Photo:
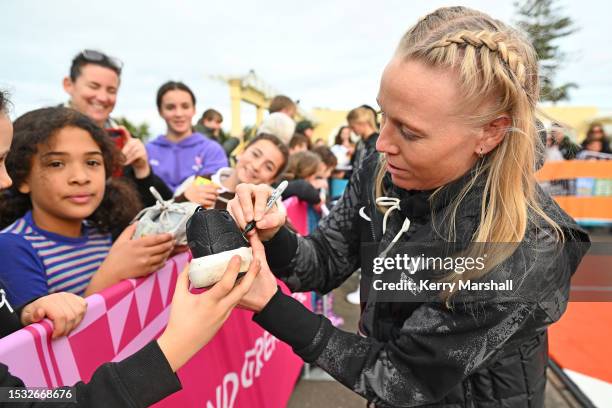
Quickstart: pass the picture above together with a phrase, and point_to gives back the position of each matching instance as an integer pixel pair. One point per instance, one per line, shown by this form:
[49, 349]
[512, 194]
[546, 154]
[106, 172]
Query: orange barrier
[590, 202]
[572, 169]
[586, 207]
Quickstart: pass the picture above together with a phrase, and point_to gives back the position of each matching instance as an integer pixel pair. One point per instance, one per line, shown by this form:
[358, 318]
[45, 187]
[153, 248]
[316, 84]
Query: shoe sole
[208, 270]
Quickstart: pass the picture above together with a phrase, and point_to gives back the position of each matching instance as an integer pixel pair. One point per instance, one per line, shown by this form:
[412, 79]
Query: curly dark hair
[4, 102]
[38, 127]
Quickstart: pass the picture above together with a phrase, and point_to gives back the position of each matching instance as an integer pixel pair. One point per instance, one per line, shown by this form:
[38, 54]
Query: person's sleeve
[303, 190]
[434, 351]
[142, 186]
[324, 259]
[138, 381]
[214, 158]
[21, 270]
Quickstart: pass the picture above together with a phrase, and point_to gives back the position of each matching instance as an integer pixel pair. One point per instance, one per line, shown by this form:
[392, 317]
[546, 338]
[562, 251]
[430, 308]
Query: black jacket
[481, 353]
[138, 381]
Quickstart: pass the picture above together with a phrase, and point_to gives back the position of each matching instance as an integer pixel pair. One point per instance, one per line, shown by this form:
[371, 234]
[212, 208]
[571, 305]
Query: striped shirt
[34, 262]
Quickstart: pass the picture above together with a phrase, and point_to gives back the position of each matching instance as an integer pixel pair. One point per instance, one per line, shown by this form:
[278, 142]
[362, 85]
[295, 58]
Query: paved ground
[321, 391]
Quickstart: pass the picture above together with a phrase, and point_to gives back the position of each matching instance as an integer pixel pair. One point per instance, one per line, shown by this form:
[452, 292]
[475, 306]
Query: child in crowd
[181, 152]
[343, 146]
[263, 159]
[60, 209]
[306, 175]
[298, 143]
[329, 159]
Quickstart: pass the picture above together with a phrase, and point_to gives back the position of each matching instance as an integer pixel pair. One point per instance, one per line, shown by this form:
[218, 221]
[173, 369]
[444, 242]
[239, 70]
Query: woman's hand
[249, 204]
[265, 285]
[65, 310]
[195, 319]
[135, 155]
[131, 258]
[205, 195]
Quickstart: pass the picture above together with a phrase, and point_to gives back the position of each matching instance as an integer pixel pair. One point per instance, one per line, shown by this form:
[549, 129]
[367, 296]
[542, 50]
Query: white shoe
[165, 216]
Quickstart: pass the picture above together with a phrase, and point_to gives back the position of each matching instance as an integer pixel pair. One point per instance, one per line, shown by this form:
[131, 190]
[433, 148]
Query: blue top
[195, 155]
[34, 262]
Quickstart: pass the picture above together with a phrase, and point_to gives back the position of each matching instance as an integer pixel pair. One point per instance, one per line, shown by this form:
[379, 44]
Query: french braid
[487, 41]
[497, 75]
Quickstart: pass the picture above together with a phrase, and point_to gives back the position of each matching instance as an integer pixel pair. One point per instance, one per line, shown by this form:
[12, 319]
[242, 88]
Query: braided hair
[497, 75]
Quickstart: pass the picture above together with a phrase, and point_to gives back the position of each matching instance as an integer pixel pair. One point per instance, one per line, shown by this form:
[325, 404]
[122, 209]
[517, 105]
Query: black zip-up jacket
[482, 352]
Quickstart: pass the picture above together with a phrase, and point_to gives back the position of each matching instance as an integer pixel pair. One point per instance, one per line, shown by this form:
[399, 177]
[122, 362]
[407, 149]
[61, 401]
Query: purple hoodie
[174, 162]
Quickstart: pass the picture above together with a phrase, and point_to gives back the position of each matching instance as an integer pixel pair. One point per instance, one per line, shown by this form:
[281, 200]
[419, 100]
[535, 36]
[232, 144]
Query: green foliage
[543, 23]
[140, 131]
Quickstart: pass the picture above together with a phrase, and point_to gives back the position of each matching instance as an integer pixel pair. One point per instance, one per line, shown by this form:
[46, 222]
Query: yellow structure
[249, 89]
[577, 118]
[327, 122]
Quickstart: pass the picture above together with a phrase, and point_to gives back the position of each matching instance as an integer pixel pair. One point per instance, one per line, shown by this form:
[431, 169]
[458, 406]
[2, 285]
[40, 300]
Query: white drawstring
[394, 204]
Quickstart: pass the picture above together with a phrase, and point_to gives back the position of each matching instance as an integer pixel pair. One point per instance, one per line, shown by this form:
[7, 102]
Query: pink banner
[242, 366]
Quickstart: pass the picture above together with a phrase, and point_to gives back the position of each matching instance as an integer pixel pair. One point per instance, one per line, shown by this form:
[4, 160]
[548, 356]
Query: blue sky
[327, 54]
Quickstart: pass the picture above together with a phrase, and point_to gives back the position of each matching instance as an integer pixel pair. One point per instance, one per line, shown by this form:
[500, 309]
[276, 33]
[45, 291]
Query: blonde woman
[362, 121]
[458, 150]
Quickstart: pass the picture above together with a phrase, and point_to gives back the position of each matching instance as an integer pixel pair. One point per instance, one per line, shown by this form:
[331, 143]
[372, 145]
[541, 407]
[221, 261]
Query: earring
[480, 154]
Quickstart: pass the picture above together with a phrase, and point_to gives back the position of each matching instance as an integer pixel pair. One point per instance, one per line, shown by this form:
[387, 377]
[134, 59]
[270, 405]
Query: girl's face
[6, 137]
[319, 179]
[177, 110]
[259, 163]
[346, 135]
[597, 133]
[425, 141]
[67, 178]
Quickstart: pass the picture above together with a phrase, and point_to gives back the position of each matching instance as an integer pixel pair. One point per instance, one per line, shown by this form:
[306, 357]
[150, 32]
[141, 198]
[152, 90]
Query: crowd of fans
[69, 231]
[560, 146]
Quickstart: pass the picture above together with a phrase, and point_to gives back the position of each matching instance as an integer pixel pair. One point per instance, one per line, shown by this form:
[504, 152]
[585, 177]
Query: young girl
[263, 159]
[60, 209]
[181, 152]
[306, 173]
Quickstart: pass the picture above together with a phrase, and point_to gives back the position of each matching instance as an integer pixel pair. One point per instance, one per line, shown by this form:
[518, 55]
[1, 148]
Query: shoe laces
[165, 207]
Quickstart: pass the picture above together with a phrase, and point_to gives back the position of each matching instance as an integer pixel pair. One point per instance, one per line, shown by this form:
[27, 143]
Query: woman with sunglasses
[93, 85]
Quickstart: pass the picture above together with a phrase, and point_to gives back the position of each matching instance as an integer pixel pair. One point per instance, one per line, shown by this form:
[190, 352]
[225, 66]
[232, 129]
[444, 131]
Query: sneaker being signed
[165, 216]
[214, 238]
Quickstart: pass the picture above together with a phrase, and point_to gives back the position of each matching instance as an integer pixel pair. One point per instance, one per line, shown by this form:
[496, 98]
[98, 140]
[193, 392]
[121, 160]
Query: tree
[139, 131]
[544, 24]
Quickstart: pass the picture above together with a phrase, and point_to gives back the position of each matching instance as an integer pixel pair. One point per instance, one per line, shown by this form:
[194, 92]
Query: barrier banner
[242, 366]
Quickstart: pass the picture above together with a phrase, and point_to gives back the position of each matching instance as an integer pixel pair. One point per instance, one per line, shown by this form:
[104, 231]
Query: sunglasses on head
[97, 56]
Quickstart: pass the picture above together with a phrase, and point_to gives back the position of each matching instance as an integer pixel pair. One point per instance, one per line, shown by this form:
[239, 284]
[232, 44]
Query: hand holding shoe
[195, 319]
[205, 195]
[131, 258]
[264, 286]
